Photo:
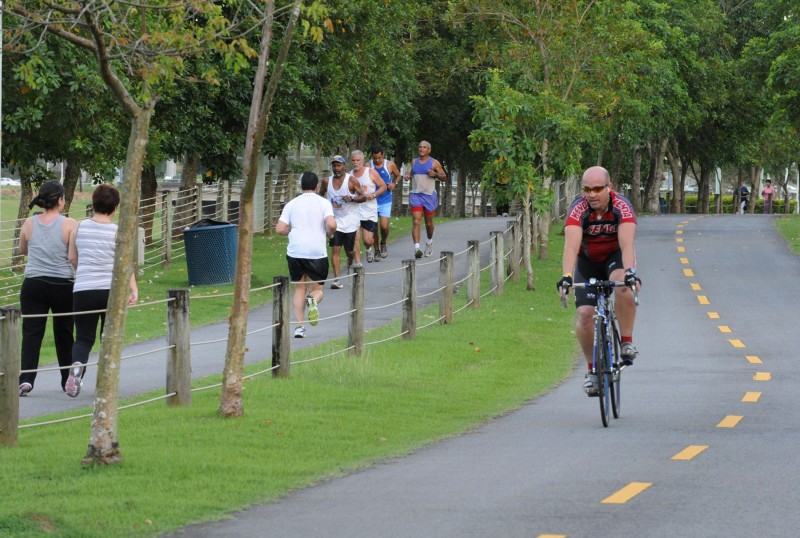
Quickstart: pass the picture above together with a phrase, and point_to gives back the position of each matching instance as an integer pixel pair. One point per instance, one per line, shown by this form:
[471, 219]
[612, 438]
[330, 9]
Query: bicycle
[606, 362]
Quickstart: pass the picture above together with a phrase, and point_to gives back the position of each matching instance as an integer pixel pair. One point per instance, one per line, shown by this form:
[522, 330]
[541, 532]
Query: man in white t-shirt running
[307, 220]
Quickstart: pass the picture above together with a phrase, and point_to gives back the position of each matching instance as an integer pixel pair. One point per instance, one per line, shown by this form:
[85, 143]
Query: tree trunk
[755, 187]
[25, 197]
[653, 186]
[461, 191]
[185, 214]
[616, 163]
[636, 179]
[149, 193]
[676, 204]
[103, 443]
[71, 176]
[546, 217]
[231, 404]
[526, 238]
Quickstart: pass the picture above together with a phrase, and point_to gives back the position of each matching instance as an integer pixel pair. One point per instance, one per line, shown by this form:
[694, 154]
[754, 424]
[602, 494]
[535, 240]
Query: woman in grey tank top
[47, 287]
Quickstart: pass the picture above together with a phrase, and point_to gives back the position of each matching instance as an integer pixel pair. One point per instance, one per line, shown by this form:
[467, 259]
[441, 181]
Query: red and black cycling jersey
[600, 231]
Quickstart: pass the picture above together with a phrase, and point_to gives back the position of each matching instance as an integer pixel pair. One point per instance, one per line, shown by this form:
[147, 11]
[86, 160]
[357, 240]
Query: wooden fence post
[355, 327]
[179, 355]
[281, 318]
[166, 230]
[497, 269]
[474, 280]
[409, 324]
[446, 283]
[9, 378]
[514, 248]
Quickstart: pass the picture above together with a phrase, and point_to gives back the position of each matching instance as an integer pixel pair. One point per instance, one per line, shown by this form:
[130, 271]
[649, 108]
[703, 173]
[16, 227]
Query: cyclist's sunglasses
[596, 190]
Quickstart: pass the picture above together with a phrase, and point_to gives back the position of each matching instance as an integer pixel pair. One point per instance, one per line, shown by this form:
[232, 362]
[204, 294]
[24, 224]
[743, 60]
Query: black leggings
[40, 295]
[86, 324]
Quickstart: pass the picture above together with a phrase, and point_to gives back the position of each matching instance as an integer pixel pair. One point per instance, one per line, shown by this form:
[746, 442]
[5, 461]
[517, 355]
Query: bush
[727, 204]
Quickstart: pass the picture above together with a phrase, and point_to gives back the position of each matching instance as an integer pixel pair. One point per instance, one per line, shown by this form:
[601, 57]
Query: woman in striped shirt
[92, 253]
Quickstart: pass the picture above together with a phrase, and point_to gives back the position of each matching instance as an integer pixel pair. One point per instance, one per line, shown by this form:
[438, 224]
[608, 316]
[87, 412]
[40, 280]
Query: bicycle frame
[606, 364]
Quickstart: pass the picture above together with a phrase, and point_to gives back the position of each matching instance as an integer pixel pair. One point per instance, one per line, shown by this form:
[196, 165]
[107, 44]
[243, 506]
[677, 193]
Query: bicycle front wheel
[616, 372]
[602, 370]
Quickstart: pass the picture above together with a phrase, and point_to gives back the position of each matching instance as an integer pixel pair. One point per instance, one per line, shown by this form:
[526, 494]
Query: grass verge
[328, 418]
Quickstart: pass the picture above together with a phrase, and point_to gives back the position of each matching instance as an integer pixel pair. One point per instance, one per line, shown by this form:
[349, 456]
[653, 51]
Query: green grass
[789, 226]
[329, 417]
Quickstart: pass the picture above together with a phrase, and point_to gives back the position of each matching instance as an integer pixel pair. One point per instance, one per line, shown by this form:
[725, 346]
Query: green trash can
[210, 252]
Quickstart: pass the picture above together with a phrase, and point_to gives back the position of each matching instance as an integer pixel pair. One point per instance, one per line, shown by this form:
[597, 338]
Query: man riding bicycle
[599, 232]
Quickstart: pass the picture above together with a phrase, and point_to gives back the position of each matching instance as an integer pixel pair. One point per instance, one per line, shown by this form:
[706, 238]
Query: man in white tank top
[373, 186]
[344, 193]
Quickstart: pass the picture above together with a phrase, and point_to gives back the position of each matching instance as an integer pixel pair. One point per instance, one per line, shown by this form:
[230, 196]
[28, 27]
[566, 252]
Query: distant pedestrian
[307, 220]
[742, 193]
[423, 199]
[45, 239]
[92, 251]
[768, 192]
[392, 177]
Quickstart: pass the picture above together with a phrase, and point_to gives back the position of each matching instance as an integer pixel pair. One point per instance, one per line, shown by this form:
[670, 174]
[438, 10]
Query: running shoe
[336, 285]
[300, 332]
[418, 254]
[24, 389]
[384, 250]
[628, 353]
[428, 249]
[313, 311]
[370, 254]
[74, 381]
[377, 257]
[591, 387]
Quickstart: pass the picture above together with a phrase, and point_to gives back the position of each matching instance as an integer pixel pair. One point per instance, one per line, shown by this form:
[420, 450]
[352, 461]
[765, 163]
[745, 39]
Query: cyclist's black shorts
[587, 269]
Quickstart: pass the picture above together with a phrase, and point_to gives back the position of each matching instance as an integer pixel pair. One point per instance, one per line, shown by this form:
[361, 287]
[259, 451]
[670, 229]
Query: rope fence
[178, 348]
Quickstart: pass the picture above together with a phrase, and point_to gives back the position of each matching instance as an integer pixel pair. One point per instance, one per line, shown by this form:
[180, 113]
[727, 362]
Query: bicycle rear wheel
[602, 370]
[616, 372]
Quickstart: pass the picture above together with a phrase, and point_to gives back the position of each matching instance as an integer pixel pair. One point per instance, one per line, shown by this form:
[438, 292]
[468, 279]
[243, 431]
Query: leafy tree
[139, 50]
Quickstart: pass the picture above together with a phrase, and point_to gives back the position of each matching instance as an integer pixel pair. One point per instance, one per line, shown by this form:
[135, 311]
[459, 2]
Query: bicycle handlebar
[599, 284]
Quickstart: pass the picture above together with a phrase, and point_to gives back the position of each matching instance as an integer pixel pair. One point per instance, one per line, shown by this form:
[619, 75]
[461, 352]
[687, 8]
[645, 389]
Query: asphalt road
[546, 469]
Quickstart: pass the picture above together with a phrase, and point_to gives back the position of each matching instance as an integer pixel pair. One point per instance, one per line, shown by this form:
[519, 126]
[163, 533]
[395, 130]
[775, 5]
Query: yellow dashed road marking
[689, 452]
[762, 376]
[751, 397]
[713, 315]
[752, 359]
[679, 232]
[679, 239]
[702, 299]
[695, 286]
[730, 421]
[627, 493]
[724, 329]
[681, 249]
[736, 342]
[552, 536]
[685, 261]
[688, 272]
[681, 225]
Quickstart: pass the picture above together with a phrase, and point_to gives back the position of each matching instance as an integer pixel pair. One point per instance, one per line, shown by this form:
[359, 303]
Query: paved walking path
[383, 286]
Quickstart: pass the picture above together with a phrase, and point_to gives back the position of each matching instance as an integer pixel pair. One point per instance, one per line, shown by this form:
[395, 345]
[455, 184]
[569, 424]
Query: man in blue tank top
[391, 176]
[424, 173]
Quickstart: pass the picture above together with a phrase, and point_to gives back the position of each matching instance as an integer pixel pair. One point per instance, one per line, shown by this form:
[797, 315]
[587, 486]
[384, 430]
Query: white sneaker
[300, 332]
[336, 285]
[74, 382]
[428, 249]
